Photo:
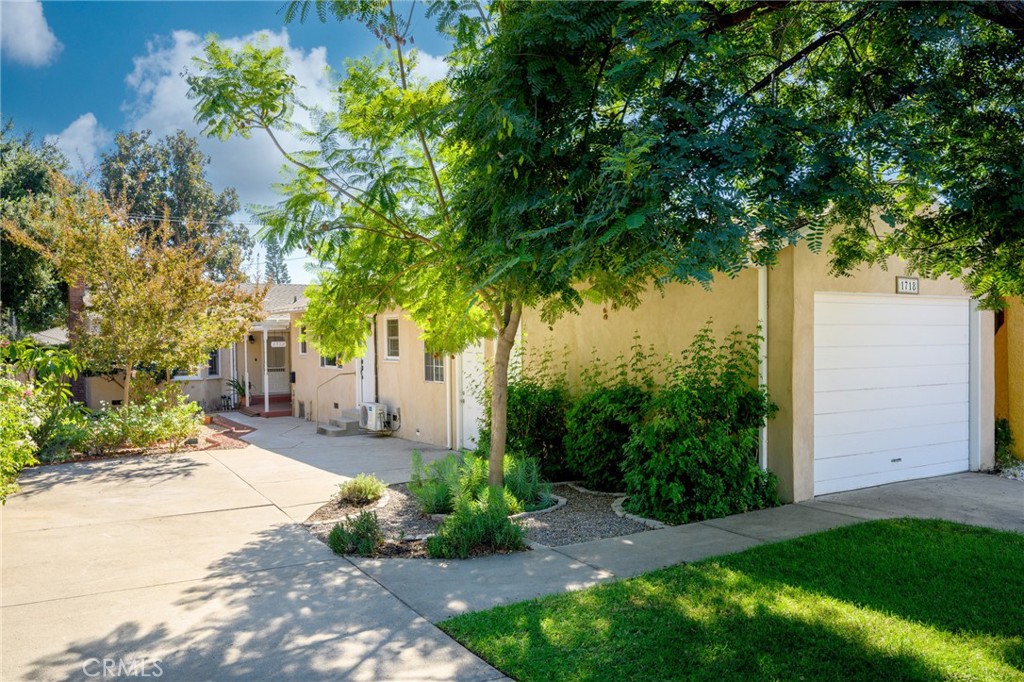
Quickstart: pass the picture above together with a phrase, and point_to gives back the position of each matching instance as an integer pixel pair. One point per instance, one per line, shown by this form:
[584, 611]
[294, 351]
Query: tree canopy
[150, 300]
[623, 142]
[32, 295]
[166, 179]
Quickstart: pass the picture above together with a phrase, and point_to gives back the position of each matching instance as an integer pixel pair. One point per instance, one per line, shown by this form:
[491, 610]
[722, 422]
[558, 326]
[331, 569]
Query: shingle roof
[283, 297]
[54, 336]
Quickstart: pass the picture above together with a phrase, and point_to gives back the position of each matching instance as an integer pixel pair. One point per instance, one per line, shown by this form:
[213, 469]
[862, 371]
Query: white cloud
[25, 37]
[430, 67]
[82, 141]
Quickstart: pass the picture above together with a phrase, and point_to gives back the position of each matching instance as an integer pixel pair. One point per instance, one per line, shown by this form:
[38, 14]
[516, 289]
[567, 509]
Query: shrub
[17, 449]
[1004, 445]
[598, 426]
[360, 534]
[477, 526]
[363, 489]
[536, 425]
[440, 485]
[167, 417]
[694, 456]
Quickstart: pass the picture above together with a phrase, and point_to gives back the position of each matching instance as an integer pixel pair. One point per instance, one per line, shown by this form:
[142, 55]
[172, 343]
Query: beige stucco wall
[401, 384]
[205, 390]
[665, 321]
[1009, 358]
[337, 390]
[791, 288]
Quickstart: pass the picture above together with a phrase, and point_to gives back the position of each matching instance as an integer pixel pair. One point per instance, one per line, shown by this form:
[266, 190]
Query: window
[185, 375]
[391, 334]
[213, 364]
[433, 367]
[303, 348]
[328, 362]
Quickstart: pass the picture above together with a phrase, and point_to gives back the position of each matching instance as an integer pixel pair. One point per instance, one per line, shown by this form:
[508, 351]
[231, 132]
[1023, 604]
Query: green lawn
[887, 600]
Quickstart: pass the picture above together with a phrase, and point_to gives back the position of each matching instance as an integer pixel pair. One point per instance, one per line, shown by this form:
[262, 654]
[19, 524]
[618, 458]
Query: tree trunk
[499, 394]
[127, 383]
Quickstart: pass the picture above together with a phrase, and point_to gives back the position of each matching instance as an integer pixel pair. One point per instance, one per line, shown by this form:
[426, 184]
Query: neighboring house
[1009, 364]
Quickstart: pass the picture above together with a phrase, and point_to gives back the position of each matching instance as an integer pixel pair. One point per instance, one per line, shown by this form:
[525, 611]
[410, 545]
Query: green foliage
[536, 424]
[169, 417]
[442, 484]
[169, 176]
[477, 526]
[32, 293]
[363, 489]
[360, 535]
[1004, 445]
[598, 426]
[579, 121]
[17, 449]
[694, 456]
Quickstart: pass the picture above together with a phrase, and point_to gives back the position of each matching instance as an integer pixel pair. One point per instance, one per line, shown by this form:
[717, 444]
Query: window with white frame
[213, 364]
[391, 348]
[328, 362]
[303, 347]
[433, 367]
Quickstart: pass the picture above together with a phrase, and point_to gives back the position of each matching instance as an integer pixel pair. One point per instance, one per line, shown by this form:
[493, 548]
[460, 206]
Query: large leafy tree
[32, 295]
[619, 142]
[150, 299]
[370, 196]
[164, 181]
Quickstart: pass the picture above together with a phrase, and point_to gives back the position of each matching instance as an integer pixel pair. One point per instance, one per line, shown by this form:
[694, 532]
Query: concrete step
[351, 414]
[337, 428]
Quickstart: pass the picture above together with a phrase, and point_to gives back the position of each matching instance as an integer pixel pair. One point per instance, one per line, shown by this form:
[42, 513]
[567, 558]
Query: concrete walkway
[196, 561]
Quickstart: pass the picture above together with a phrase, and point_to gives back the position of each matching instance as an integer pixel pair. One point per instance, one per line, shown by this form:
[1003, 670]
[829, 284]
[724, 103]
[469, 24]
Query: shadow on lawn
[280, 608]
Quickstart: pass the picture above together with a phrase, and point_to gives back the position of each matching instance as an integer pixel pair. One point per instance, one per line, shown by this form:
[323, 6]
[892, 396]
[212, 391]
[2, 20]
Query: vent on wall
[302, 410]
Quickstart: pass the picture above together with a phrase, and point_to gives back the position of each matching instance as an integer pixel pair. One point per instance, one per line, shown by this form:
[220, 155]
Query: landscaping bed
[585, 516]
[897, 599]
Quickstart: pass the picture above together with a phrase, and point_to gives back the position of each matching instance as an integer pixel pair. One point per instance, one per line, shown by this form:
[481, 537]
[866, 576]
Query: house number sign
[278, 344]
[906, 285]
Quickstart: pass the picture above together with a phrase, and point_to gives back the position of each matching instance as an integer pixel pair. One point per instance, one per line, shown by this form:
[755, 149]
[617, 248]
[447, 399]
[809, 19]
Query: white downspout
[458, 400]
[266, 375]
[448, 402]
[234, 371]
[762, 359]
[245, 356]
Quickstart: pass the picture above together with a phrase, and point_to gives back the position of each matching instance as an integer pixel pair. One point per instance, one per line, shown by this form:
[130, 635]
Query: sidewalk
[441, 589]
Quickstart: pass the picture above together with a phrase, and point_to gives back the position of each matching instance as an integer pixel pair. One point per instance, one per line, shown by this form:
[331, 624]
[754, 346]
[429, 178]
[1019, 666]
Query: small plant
[440, 485]
[477, 526]
[1004, 445]
[363, 489]
[360, 535]
[435, 485]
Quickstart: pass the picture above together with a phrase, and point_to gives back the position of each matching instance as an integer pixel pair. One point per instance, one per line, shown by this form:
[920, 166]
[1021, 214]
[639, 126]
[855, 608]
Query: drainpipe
[457, 399]
[762, 354]
[266, 375]
[245, 357]
[448, 402]
[234, 370]
[376, 364]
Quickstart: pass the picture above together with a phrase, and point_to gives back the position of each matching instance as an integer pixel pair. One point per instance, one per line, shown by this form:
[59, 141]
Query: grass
[887, 600]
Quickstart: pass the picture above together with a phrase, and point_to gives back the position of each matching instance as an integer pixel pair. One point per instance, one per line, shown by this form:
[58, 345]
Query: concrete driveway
[191, 566]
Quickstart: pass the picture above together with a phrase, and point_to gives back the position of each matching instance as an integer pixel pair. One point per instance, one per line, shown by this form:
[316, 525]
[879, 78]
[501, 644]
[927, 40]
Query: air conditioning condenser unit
[373, 416]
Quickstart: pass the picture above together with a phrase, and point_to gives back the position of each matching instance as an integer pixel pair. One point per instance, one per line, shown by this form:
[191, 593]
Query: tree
[30, 291]
[150, 300]
[371, 200]
[166, 180]
[646, 142]
[277, 271]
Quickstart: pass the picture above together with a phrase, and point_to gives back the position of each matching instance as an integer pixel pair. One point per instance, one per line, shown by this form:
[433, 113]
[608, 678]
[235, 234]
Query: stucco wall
[401, 384]
[337, 384]
[1009, 358]
[791, 286]
[665, 321]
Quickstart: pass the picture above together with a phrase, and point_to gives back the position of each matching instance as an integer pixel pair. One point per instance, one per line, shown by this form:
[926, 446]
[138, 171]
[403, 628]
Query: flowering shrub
[165, 417]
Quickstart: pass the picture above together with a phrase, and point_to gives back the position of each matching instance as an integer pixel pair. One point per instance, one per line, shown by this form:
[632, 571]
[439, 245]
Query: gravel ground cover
[585, 517]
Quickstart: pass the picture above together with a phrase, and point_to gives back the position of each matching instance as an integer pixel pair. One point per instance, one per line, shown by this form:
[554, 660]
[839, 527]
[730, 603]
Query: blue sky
[78, 72]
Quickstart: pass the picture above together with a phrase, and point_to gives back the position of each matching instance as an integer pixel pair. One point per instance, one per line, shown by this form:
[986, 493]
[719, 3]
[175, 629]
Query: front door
[277, 363]
[471, 395]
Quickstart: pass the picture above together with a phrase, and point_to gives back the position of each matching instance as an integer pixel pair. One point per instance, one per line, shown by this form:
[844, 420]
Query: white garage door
[891, 396]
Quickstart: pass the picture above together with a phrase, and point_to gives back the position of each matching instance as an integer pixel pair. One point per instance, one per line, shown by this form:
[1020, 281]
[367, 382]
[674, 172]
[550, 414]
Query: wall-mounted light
[252, 339]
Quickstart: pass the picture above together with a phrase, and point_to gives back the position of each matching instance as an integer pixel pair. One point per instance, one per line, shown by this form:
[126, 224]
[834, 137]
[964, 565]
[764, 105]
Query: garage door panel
[863, 421]
[828, 402]
[855, 335]
[844, 445]
[891, 377]
[845, 357]
[871, 312]
[891, 385]
[823, 487]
